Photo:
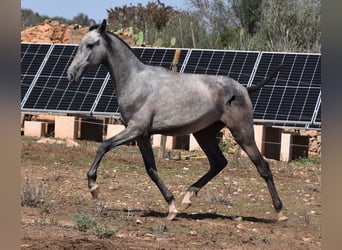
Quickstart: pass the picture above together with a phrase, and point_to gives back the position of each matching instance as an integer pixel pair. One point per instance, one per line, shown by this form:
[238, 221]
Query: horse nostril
[71, 78]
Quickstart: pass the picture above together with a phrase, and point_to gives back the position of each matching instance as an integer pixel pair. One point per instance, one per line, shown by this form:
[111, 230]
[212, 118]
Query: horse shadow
[195, 216]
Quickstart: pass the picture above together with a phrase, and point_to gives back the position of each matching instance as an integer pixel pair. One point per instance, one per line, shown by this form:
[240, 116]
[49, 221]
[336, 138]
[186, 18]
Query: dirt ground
[233, 211]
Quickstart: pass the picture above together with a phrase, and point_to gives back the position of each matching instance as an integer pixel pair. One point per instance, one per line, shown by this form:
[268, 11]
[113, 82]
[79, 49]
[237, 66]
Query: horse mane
[108, 40]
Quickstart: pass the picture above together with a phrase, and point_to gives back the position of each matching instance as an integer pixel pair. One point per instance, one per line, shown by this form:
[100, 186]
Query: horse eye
[90, 45]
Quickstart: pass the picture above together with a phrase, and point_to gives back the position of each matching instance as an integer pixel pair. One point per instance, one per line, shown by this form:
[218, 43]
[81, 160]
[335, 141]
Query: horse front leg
[150, 165]
[125, 136]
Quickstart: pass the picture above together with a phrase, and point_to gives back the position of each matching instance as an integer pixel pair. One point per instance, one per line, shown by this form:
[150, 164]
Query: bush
[33, 193]
[84, 221]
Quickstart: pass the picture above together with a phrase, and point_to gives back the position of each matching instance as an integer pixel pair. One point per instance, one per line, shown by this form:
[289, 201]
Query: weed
[33, 193]
[308, 160]
[84, 221]
[103, 232]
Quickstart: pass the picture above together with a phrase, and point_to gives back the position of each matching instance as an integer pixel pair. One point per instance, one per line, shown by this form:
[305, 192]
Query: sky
[95, 9]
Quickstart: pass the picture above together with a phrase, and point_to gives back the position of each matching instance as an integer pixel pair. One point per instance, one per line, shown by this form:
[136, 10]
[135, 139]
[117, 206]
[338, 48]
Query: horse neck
[122, 63]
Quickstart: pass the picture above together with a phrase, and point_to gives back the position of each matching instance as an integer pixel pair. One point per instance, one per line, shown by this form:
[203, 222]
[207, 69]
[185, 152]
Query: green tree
[292, 25]
[150, 19]
[275, 25]
[31, 18]
[81, 19]
[219, 20]
[189, 31]
[248, 13]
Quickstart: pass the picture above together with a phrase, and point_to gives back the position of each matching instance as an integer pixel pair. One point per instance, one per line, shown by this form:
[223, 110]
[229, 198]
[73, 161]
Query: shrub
[84, 221]
[33, 193]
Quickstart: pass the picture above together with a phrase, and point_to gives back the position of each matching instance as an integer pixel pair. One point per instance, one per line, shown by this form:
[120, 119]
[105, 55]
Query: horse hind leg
[207, 140]
[244, 135]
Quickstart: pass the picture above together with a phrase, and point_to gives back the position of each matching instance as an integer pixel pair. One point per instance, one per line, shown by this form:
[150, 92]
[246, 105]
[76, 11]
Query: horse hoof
[171, 216]
[95, 191]
[282, 217]
[185, 206]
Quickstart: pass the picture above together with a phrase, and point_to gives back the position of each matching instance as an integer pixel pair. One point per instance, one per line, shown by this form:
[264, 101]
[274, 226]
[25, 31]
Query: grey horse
[154, 100]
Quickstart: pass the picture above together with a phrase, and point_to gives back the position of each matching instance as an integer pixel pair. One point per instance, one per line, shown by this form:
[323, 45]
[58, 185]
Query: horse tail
[266, 80]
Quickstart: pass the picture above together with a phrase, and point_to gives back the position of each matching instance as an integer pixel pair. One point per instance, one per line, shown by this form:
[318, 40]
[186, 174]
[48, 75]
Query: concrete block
[286, 147]
[34, 128]
[259, 136]
[193, 145]
[113, 129]
[66, 127]
[157, 139]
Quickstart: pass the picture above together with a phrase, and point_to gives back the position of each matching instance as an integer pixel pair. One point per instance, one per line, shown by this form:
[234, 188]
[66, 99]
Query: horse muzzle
[73, 75]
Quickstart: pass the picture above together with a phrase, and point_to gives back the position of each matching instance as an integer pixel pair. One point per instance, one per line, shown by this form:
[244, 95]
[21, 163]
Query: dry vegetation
[232, 212]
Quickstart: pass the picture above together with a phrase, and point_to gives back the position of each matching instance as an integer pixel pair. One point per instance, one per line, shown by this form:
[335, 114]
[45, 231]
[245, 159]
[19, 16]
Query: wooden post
[161, 152]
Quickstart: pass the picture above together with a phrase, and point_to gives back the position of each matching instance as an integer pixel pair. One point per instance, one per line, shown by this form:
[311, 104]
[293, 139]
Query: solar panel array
[291, 99]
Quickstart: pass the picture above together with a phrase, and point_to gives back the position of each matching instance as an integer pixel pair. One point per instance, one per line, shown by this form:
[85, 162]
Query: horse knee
[264, 170]
[220, 164]
[103, 148]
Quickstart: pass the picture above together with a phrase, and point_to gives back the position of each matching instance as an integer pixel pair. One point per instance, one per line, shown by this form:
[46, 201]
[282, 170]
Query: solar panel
[235, 64]
[52, 91]
[160, 56]
[291, 97]
[108, 102]
[32, 57]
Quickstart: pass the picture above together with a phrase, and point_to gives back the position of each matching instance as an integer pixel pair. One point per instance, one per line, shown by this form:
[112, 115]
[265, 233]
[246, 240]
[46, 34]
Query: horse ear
[92, 22]
[103, 26]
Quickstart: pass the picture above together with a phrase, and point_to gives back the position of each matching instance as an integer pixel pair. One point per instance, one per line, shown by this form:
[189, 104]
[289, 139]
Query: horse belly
[183, 123]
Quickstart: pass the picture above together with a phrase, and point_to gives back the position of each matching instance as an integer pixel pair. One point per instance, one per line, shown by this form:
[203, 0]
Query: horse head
[91, 52]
